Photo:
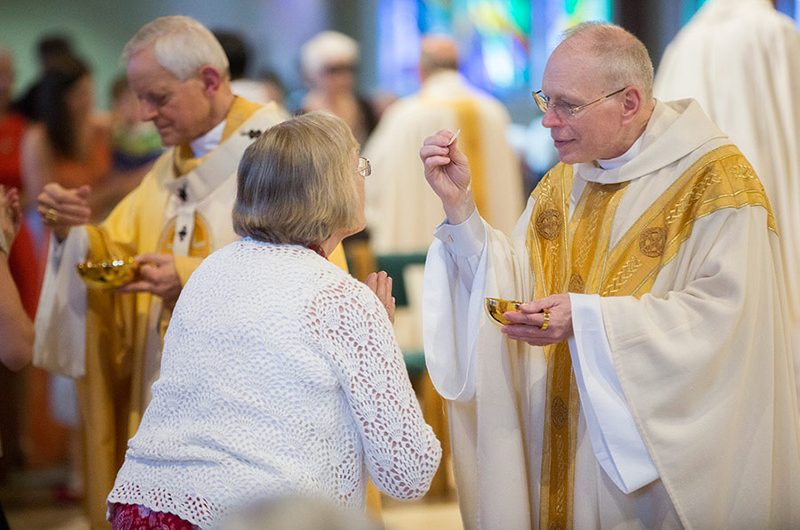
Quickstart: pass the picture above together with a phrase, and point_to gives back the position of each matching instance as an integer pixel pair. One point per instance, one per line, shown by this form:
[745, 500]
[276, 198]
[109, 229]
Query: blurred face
[594, 133]
[180, 110]
[336, 78]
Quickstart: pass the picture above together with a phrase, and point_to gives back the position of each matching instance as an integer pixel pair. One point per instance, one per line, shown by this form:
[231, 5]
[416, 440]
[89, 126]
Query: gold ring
[51, 215]
[546, 321]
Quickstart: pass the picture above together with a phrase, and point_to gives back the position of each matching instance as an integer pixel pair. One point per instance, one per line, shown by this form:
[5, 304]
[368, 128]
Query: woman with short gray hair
[280, 374]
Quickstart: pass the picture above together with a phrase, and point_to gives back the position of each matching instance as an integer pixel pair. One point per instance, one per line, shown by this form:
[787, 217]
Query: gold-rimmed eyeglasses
[567, 110]
[364, 167]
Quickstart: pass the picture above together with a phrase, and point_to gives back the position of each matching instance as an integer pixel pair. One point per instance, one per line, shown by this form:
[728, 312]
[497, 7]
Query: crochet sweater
[280, 375]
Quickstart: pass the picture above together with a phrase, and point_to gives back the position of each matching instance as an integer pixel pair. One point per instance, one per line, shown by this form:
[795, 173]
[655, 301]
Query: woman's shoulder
[334, 286]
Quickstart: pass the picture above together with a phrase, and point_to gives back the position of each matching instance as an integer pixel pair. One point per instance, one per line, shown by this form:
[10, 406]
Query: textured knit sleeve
[351, 327]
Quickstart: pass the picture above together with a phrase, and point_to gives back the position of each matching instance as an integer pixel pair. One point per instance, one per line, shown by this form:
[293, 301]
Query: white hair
[182, 45]
[328, 47]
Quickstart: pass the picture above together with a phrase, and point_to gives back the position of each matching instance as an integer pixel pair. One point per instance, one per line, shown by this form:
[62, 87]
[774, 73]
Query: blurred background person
[255, 403]
[274, 86]
[71, 145]
[21, 260]
[740, 59]
[51, 50]
[16, 328]
[238, 53]
[135, 145]
[401, 207]
[329, 62]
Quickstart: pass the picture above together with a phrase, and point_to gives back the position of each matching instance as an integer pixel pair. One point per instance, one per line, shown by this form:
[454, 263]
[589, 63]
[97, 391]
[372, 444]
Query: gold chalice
[108, 274]
[497, 306]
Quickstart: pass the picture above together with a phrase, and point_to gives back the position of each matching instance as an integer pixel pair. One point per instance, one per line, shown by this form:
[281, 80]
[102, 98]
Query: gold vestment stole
[575, 256]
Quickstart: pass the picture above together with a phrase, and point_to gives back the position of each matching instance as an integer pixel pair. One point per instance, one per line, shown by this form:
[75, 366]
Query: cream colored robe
[702, 362]
[401, 208]
[740, 59]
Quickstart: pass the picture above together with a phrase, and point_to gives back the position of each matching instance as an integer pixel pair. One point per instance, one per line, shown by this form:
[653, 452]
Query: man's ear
[632, 100]
[211, 79]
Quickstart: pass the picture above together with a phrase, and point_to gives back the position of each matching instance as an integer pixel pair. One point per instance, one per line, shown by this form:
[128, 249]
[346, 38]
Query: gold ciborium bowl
[497, 306]
[108, 274]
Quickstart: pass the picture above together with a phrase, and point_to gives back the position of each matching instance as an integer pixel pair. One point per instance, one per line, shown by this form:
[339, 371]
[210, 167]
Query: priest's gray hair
[181, 44]
[297, 183]
[623, 55]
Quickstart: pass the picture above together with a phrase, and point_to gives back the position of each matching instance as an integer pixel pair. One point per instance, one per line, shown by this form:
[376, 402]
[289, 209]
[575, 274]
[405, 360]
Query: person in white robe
[740, 59]
[644, 380]
[401, 208]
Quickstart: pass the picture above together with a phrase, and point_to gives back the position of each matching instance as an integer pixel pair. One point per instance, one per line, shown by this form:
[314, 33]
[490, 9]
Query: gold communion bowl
[108, 274]
[497, 306]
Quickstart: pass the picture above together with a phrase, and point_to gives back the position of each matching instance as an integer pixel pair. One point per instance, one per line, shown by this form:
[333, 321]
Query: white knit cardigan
[280, 375]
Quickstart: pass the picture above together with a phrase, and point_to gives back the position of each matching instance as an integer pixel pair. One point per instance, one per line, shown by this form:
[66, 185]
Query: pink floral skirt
[138, 517]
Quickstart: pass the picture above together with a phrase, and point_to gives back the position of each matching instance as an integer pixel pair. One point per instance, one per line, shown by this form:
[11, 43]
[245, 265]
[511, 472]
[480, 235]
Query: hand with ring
[50, 216]
[62, 208]
[541, 322]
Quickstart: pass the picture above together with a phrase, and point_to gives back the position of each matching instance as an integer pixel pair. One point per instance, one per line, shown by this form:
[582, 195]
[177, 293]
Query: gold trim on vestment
[720, 179]
[241, 110]
[575, 257]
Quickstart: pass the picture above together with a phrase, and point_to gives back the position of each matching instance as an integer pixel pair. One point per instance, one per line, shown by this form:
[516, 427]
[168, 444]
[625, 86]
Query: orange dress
[93, 169]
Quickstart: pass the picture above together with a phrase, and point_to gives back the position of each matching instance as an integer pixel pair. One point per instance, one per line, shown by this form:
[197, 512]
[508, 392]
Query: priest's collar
[614, 163]
[209, 141]
[675, 129]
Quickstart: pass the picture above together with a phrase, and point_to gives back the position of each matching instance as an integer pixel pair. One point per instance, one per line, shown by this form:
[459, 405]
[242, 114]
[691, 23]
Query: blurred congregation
[76, 113]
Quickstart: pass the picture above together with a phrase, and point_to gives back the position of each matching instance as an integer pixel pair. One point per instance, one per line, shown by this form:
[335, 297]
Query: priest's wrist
[459, 212]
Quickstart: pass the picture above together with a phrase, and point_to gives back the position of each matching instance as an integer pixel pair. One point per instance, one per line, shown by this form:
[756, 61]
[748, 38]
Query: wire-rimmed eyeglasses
[566, 110]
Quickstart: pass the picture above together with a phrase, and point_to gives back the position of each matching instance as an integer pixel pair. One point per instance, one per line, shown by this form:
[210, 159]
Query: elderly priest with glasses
[643, 378]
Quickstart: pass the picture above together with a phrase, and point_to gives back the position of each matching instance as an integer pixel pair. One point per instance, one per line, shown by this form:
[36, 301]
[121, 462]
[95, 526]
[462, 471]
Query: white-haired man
[649, 383]
[179, 214]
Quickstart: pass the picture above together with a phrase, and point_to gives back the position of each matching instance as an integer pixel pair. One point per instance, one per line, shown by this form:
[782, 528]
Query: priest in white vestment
[645, 379]
[401, 208]
[740, 59]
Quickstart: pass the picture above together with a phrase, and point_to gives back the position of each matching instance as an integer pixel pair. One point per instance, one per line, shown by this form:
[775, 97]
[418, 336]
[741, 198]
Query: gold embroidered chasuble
[576, 256]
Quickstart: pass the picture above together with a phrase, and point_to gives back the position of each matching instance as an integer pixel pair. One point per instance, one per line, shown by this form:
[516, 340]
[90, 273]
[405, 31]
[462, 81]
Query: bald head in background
[437, 52]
